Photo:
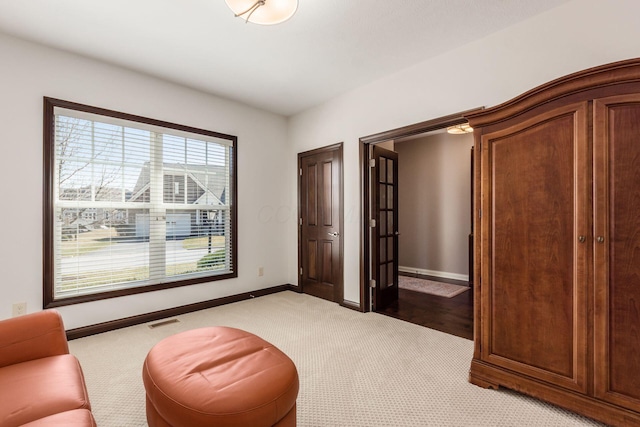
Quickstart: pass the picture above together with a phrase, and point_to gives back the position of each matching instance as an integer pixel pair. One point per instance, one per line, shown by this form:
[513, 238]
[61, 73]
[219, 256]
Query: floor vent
[163, 323]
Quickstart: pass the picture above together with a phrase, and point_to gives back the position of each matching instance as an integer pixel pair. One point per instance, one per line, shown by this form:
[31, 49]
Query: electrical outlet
[19, 309]
[260, 271]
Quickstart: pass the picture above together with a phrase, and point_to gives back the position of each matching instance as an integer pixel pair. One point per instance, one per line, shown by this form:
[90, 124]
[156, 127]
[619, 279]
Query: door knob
[582, 239]
[600, 239]
[334, 234]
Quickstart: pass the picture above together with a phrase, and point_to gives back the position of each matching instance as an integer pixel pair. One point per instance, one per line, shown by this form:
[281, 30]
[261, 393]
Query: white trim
[444, 274]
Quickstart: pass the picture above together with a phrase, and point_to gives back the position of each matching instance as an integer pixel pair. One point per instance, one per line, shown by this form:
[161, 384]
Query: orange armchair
[41, 384]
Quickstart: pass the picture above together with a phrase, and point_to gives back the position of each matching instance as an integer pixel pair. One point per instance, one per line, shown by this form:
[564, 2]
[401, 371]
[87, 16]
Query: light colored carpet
[440, 289]
[355, 369]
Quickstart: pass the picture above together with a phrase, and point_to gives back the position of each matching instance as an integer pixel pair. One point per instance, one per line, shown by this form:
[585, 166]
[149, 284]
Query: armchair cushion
[40, 388]
[75, 418]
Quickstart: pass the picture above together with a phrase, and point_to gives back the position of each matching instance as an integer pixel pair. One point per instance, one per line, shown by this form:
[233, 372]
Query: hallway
[450, 315]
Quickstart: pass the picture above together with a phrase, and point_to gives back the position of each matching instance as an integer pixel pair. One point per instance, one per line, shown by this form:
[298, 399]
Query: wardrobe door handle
[582, 239]
[600, 239]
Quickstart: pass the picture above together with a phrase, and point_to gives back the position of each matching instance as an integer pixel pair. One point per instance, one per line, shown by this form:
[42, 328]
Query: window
[133, 204]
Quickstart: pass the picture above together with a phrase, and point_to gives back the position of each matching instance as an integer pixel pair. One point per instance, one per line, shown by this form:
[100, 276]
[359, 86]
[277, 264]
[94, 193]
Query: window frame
[49, 299]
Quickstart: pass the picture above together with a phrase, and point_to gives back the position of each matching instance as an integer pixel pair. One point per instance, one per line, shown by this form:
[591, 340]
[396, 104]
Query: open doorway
[432, 235]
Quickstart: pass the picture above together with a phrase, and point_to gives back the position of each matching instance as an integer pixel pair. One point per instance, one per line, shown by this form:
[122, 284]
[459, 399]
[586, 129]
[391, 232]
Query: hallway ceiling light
[263, 12]
[460, 129]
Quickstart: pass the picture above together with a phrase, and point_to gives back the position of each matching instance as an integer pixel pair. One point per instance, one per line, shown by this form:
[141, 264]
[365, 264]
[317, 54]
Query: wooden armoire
[557, 252]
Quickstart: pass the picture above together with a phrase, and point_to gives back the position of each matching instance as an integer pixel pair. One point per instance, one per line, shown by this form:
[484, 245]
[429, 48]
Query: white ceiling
[327, 48]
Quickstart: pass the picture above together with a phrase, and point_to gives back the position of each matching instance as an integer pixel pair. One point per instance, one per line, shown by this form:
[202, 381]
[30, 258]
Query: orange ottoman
[219, 376]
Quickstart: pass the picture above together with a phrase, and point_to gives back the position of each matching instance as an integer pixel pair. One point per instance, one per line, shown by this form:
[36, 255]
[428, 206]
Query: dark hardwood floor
[450, 315]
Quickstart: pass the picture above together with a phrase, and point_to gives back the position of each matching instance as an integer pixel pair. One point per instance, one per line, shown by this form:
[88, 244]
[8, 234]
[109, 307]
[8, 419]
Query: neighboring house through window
[134, 204]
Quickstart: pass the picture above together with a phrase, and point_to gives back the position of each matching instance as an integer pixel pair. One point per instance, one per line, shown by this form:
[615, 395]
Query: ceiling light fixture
[460, 129]
[263, 12]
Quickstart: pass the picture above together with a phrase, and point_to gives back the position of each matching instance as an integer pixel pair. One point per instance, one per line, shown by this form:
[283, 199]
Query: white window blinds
[137, 204]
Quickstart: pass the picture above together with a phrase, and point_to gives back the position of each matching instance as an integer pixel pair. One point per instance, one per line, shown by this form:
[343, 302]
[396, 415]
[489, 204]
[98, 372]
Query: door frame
[365, 142]
[340, 285]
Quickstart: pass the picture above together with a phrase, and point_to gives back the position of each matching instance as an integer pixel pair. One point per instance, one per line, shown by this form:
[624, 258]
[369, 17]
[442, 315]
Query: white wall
[572, 37]
[28, 72]
[434, 204]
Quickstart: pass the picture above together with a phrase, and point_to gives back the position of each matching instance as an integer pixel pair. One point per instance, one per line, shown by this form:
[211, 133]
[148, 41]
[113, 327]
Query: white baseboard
[443, 274]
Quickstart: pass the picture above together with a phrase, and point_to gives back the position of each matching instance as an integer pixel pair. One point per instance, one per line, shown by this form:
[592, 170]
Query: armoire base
[489, 376]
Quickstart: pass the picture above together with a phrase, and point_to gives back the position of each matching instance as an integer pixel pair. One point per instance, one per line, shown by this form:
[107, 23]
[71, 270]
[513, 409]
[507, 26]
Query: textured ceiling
[327, 48]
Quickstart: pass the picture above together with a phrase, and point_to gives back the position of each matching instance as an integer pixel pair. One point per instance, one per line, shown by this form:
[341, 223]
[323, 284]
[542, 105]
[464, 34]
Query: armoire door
[617, 249]
[535, 217]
